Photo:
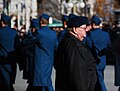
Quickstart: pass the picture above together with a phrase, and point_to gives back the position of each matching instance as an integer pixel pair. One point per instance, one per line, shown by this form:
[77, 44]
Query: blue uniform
[61, 34]
[7, 43]
[44, 57]
[45, 41]
[100, 39]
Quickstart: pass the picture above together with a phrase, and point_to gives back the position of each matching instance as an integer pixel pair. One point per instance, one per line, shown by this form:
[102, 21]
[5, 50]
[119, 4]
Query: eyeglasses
[84, 28]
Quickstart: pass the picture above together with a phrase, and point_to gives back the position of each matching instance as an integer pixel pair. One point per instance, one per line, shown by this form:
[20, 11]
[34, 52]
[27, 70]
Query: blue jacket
[101, 40]
[45, 41]
[44, 56]
[7, 42]
[61, 34]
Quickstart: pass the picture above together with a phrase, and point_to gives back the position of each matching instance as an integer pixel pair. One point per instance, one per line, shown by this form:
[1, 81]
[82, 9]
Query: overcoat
[8, 38]
[44, 56]
[45, 43]
[25, 56]
[75, 66]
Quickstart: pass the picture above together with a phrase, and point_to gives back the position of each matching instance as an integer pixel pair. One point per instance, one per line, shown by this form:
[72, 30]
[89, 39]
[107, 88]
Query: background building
[24, 10]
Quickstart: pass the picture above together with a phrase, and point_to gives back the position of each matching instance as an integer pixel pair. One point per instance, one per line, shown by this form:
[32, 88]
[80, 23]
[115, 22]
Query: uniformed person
[62, 32]
[8, 38]
[44, 50]
[25, 53]
[45, 41]
[99, 41]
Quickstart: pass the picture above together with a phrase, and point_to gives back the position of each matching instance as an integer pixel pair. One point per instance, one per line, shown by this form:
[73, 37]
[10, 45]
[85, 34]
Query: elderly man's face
[81, 32]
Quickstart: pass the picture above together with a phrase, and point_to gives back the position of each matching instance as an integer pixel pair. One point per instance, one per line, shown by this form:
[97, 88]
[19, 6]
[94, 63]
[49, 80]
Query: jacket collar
[77, 41]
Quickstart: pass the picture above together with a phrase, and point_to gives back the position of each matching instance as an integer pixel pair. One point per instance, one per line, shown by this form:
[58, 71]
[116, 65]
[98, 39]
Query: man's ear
[74, 30]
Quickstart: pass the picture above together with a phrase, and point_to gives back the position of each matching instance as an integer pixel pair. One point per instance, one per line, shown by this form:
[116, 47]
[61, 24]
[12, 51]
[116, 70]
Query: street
[109, 80]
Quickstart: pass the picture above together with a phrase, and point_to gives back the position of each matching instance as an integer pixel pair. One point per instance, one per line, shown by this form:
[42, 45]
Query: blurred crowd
[77, 50]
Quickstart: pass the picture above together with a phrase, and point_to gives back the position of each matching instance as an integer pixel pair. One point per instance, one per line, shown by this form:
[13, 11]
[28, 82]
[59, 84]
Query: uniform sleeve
[88, 42]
